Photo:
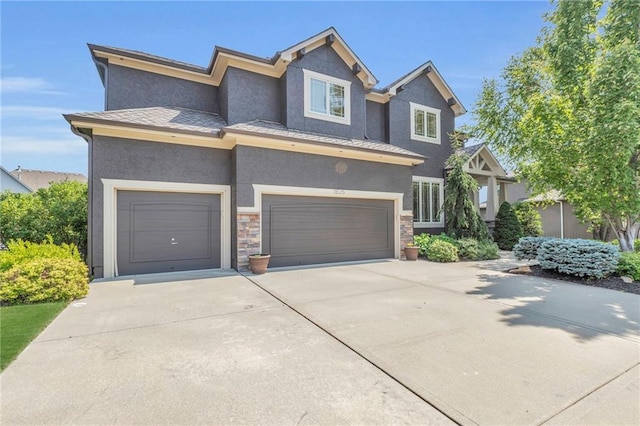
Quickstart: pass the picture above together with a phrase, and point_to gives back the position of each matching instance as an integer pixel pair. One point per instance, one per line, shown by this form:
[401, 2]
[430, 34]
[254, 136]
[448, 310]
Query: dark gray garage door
[167, 231]
[310, 230]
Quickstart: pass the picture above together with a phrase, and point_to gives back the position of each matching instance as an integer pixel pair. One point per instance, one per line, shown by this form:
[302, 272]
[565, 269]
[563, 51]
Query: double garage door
[312, 230]
[172, 231]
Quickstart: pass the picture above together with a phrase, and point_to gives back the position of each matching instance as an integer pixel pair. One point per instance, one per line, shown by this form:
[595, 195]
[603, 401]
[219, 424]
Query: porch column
[493, 203]
[475, 196]
[503, 192]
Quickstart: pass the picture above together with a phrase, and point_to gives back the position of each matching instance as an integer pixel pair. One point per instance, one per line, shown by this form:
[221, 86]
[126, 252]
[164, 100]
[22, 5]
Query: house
[299, 155]
[37, 179]
[8, 182]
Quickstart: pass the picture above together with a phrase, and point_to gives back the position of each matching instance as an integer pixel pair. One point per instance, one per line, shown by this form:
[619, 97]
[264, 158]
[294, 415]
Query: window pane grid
[336, 97]
[431, 125]
[426, 202]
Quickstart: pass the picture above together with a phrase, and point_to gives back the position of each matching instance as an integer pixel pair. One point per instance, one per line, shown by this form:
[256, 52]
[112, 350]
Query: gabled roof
[223, 58]
[432, 73]
[37, 179]
[482, 161]
[12, 178]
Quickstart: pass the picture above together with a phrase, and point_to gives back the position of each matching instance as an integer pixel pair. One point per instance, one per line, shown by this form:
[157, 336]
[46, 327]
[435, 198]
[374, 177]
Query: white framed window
[327, 98]
[428, 196]
[425, 123]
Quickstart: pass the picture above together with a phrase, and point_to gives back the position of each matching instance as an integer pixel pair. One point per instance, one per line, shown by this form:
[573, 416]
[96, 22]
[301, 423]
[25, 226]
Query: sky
[46, 68]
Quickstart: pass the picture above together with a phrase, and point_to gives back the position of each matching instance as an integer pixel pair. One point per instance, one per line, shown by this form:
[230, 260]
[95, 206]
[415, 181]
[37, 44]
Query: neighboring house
[557, 215]
[8, 182]
[298, 155]
[37, 179]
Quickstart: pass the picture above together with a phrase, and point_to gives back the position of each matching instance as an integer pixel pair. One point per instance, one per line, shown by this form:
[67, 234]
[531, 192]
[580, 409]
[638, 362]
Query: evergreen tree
[507, 231]
[462, 220]
[529, 219]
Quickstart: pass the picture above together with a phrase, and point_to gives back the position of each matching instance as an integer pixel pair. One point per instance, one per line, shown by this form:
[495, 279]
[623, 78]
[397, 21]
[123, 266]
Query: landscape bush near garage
[45, 272]
[439, 248]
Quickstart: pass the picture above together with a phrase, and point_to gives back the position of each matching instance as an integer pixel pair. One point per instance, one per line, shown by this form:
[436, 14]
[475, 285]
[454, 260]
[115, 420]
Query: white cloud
[26, 85]
[33, 145]
[35, 112]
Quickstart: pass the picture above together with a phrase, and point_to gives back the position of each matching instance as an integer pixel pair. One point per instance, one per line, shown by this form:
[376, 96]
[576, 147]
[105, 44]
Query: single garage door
[311, 230]
[167, 231]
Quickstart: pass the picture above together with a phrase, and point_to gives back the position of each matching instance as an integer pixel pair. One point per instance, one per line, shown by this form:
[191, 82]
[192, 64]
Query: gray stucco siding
[250, 96]
[116, 158]
[131, 88]
[423, 92]
[272, 167]
[326, 61]
[376, 121]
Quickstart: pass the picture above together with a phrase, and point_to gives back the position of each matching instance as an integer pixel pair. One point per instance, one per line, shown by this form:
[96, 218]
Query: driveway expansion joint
[577, 401]
[161, 324]
[325, 330]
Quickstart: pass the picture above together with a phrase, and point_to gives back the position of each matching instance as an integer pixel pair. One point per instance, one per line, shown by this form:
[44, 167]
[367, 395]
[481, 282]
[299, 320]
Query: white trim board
[110, 209]
[260, 190]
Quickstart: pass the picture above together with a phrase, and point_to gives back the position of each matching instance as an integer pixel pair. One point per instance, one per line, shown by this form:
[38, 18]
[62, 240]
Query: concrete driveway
[376, 343]
[483, 346]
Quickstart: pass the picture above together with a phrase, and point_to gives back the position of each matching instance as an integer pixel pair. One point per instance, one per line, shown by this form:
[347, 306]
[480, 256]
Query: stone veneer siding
[406, 232]
[248, 234]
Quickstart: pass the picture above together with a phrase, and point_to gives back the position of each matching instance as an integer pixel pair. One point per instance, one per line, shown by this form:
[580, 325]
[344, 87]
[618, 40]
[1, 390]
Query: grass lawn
[20, 324]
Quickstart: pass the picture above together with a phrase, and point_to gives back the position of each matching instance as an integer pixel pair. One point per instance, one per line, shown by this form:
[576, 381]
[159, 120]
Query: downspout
[561, 219]
[89, 141]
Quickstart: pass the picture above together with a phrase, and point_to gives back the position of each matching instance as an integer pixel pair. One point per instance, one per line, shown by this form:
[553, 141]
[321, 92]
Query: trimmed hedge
[527, 247]
[579, 257]
[44, 280]
[629, 265]
[442, 251]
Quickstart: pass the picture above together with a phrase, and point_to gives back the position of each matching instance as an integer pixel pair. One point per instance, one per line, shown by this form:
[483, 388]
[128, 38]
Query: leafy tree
[462, 219]
[507, 231]
[529, 219]
[59, 211]
[566, 112]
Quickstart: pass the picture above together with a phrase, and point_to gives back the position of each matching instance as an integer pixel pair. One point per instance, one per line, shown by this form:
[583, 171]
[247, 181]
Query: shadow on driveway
[596, 311]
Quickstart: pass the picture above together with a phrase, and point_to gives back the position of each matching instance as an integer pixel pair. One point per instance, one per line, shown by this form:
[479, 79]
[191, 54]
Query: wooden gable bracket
[356, 68]
[300, 53]
[428, 69]
[451, 102]
[330, 39]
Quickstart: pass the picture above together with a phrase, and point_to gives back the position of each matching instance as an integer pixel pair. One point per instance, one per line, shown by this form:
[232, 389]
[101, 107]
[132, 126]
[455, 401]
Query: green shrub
[44, 280]
[59, 211]
[527, 247]
[529, 219]
[507, 231]
[629, 265]
[467, 248]
[442, 251]
[487, 250]
[23, 251]
[584, 258]
[422, 241]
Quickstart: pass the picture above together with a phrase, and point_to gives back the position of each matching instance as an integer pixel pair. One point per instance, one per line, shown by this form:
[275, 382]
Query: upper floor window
[327, 98]
[425, 123]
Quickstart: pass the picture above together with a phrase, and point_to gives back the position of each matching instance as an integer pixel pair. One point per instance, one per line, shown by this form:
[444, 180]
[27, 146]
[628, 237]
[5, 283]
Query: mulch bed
[612, 282]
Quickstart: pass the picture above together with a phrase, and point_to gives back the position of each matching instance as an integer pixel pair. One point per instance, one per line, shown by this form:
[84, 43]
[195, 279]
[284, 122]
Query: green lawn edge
[20, 324]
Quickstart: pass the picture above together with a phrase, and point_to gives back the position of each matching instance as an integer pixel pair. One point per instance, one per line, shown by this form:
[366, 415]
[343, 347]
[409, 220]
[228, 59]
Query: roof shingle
[174, 118]
[277, 130]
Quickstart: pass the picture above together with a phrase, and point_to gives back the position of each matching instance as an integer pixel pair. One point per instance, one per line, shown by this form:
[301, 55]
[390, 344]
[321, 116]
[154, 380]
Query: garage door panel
[163, 232]
[332, 228]
[309, 230]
